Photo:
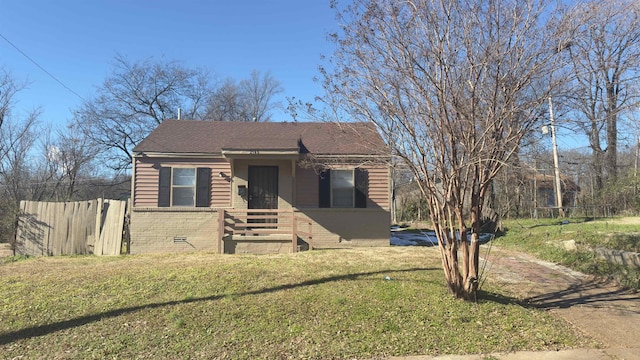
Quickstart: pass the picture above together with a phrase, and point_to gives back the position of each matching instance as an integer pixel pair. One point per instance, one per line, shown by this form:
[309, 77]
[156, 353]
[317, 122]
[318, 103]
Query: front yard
[361, 303]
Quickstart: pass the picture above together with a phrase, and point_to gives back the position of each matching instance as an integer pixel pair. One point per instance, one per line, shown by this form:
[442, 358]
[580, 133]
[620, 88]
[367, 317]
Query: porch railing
[264, 224]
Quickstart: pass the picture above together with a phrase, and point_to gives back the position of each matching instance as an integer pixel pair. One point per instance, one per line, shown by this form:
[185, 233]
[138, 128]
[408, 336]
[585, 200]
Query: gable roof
[195, 136]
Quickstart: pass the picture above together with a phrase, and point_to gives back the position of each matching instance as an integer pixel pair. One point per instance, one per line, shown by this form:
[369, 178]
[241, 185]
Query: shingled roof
[191, 136]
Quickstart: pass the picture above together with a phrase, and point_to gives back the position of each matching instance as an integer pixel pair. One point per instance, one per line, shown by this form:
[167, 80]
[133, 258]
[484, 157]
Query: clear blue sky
[76, 41]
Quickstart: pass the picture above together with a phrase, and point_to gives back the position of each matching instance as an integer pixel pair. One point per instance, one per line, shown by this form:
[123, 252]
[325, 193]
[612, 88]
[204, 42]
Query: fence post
[97, 243]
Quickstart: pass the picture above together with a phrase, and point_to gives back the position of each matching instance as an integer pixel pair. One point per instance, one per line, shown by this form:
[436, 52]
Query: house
[543, 184]
[526, 192]
[245, 187]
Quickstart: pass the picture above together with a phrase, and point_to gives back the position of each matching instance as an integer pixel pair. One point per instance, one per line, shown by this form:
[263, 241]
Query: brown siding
[145, 187]
[306, 188]
[146, 179]
[378, 187]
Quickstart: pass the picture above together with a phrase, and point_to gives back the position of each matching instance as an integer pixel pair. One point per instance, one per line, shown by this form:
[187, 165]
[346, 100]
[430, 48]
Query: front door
[263, 187]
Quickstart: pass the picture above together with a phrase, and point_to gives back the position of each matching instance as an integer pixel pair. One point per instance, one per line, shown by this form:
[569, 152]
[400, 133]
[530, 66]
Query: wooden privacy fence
[68, 228]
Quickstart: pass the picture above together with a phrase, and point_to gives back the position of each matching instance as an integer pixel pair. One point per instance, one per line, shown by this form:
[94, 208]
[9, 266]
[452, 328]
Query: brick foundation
[171, 231]
[166, 230]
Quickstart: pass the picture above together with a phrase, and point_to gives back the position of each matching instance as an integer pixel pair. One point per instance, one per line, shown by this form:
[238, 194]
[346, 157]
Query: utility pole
[556, 169]
[635, 168]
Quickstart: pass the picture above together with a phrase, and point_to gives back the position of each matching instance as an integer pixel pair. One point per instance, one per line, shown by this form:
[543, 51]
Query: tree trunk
[461, 278]
[597, 154]
[611, 155]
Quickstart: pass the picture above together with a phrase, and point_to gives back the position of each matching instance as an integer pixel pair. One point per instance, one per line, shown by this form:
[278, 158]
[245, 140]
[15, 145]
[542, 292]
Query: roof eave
[290, 153]
[156, 154]
[350, 156]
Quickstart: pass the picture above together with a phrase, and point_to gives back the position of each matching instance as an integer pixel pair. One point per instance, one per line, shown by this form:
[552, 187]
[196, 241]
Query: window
[184, 187]
[343, 188]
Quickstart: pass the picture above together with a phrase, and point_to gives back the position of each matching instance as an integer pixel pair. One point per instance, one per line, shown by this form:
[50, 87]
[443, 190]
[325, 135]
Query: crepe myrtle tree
[453, 85]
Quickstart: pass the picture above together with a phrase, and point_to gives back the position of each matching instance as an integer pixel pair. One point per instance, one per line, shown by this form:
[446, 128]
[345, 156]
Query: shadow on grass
[42, 330]
[558, 222]
[552, 288]
[597, 294]
[487, 296]
[552, 224]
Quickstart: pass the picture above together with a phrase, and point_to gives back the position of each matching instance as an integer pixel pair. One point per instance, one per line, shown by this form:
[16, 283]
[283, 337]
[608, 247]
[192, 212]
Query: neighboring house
[545, 193]
[525, 192]
[245, 187]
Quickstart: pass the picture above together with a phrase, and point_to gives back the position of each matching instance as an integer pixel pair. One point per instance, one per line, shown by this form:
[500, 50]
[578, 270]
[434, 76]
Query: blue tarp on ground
[399, 237]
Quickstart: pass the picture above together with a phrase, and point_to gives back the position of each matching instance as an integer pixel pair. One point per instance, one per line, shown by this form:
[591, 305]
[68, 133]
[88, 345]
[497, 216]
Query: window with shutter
[324, 200]
[343, 188]
[164, 187]
[361, 187]
[203, 187]
[188, 187]
[183, 187]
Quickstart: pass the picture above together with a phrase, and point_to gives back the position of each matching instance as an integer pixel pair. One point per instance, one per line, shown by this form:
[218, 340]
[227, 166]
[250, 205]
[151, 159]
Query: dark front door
[263, 187]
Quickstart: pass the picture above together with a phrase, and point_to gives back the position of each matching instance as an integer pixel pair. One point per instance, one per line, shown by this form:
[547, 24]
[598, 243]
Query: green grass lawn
[319, 304]
[544, 237]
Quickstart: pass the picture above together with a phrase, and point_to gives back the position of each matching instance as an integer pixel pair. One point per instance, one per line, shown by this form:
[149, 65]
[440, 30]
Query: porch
[263, 230]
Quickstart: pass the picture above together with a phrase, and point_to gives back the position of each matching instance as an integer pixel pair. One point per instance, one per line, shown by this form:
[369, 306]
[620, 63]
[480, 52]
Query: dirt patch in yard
[598, 308]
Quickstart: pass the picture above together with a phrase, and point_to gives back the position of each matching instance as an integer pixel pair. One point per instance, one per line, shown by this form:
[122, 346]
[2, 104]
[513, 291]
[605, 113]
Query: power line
[41, 68]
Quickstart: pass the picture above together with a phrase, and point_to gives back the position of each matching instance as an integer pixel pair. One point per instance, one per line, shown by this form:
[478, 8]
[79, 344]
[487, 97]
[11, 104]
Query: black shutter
[362, 187]
[164, 187]
[324, 193]
[203, 187]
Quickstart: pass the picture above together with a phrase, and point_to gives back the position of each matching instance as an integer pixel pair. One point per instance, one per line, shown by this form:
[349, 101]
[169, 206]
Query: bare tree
[36, 163]
[227, 103]
[454, 86]
[251, 99]
[604, 55]
[258, 91]
[76, 160]
[134, 99]
[17, 135]
[17, 138]
[67, 161]
[8, 89]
